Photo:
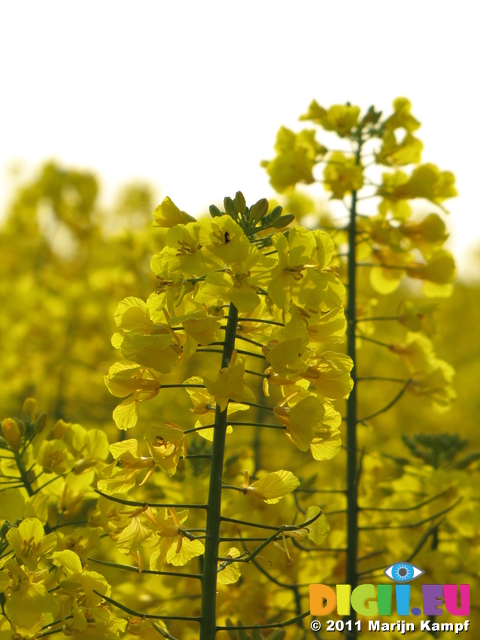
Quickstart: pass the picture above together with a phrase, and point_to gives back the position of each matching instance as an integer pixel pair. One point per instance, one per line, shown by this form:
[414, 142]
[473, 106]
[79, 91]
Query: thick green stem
[352, 471]
[23, 473]
[214, 509]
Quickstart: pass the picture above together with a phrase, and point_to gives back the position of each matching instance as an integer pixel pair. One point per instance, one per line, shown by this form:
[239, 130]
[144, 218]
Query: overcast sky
[190, 95]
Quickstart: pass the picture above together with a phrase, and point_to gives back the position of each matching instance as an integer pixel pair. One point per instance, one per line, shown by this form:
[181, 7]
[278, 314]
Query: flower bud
[83, 465]
[40, 422]
[29, 409]
[11, 431]
[60, 429]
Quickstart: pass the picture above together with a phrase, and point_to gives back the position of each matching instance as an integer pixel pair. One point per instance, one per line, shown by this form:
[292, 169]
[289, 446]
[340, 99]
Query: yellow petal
[229, 573]
[168, 214]
[189, 549]
[125, 414]
[273, 486]
[132, 536]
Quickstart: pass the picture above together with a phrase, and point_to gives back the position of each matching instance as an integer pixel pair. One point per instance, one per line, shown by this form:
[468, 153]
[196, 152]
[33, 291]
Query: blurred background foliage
[66, 263]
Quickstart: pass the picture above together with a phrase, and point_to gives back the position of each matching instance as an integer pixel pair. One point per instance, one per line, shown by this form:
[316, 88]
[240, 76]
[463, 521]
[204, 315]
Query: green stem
[250, 341]
[129, 567]
[258, 406]
[377, 318]
[279, 324]
[274, 625]
[389, 405]
[157, 505]
[382, 378]
[374, 341]
[352, 475]
[234, 488]
[256, 424]
[23, 474]
[245, 523]
[148, 616]
[209, 579]
[254, 373]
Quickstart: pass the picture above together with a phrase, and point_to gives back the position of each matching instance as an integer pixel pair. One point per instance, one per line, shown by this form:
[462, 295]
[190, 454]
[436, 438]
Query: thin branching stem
[257, 424]
[418, 548]
[276, 625]
[204, 426]
[68, 524]
[411, 525]
[250, 353]
[135, 503]
[380, 264]
[183, 386]
[149, 616]
[416, 506]
[320, 491]
[11, 486]
[235, 488]
[60, 475]
[258, 406]
[301, 546]
[279, 324]
[245, 523]
[389, 405]
[250, 340]
[129, 567]
[191, 456]
[377, 319]
[382, 379]
[284, 528]
[257, 373]
[163, 632]
[374, 341]
[239, 538]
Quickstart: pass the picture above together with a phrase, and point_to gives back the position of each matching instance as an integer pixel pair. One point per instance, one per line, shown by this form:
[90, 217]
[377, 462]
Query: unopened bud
[260, 208]
[40, 423]
[83, 465]
[60, 429]
[12, 433]
[29, 409]
[4, 529]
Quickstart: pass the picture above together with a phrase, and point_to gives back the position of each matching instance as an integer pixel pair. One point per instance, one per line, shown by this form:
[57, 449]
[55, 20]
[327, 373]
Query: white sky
[190, 94]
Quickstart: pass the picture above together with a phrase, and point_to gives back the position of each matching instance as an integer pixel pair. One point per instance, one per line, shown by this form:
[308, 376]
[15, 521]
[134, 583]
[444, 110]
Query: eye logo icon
[403, 572]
